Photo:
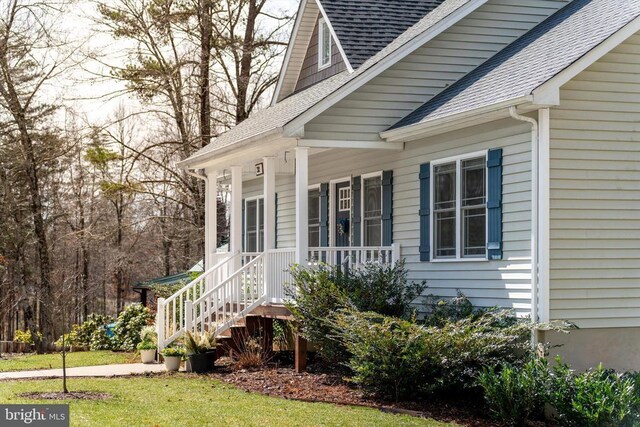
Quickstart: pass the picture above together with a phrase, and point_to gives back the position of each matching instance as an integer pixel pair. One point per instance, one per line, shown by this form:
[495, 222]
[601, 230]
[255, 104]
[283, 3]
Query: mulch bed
[323, 385]
[77, 395]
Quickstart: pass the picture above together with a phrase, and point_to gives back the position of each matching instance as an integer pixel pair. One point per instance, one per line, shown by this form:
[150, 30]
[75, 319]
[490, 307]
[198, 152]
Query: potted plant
[148, 344]
[200, 350]
[172, 358]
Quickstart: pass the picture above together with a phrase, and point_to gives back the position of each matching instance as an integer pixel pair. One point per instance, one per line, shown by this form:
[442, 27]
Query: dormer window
[324, 45]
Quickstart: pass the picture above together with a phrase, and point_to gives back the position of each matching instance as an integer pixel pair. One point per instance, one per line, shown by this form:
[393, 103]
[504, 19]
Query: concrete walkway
[87, 371]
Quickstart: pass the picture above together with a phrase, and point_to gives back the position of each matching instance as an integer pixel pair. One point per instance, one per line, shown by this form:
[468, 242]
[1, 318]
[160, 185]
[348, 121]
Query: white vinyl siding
[595, 194]
[430, 69]
[488, 283]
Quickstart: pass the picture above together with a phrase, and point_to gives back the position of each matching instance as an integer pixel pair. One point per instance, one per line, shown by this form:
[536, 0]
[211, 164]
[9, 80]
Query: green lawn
[53, 361]
[180, 400]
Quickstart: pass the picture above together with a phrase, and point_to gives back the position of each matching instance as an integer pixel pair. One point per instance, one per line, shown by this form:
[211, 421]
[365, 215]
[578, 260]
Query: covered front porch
[344, 222]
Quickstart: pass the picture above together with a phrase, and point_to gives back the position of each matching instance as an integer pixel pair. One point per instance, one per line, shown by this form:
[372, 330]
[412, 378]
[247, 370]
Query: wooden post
[301, 354]
[160, 326]
[269, 192]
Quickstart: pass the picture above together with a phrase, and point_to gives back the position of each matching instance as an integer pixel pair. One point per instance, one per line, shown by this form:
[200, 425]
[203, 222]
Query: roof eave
[200, 161]
[453, 122]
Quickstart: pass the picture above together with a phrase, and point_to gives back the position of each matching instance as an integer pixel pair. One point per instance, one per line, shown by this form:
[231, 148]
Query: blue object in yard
[109, 328]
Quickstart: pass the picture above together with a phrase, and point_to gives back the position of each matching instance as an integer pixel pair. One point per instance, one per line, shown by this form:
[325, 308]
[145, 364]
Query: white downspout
[534, 213]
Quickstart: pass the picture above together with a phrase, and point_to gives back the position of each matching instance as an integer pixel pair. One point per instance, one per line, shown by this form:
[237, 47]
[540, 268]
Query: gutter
[534, 213]
[204, 157]
[445, 124]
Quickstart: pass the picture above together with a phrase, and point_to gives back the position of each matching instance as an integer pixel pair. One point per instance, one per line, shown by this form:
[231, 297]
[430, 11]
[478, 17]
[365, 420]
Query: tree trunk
[245, 62]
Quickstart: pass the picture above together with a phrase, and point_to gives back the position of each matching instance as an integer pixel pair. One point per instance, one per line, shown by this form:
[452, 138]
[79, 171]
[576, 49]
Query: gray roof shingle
[280, 114]
[364, 27]
[532, 60]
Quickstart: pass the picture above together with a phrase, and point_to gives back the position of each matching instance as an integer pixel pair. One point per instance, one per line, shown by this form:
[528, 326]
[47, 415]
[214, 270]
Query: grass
[172, 400]
[54, 360]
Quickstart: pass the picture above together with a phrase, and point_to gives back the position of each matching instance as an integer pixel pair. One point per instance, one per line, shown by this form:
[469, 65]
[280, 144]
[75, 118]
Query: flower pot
[148, 356]
[200, 363]
[172, 363]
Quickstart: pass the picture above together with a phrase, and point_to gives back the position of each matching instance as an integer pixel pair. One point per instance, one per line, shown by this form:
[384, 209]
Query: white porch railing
[220, 297]
[354, 257]
[170, 316]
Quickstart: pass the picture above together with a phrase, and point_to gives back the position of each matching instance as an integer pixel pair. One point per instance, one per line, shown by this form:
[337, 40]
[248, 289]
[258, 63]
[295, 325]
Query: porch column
[269, 192]
[211, 219]
[235, 232]
[302, 205]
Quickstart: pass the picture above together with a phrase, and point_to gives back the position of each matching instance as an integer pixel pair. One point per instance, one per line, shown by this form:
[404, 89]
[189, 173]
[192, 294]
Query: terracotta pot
[172, 363]
[148, 356]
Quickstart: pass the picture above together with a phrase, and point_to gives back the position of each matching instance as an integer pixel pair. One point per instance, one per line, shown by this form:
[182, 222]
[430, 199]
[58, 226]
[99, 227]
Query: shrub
[389, 356]
[100, 340]
[442, 311]
[516, 394]
[380, 288]
[398, 358]
[196, 343]
[598, 397]
[84, 332]
[317, 298]
[25, 336]
[129, 325]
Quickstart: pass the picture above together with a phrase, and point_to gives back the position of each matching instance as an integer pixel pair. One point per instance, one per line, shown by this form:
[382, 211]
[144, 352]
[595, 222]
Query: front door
[342, 228]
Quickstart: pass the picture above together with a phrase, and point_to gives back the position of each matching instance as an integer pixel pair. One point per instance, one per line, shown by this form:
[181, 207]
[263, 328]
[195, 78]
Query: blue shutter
[324, 215]
[243, 215]
[387, 208]
[425, 212]
[494, 204]
[275, 229]
[356, 207]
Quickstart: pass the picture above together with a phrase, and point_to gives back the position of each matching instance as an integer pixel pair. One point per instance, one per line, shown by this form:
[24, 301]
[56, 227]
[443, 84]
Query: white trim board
[335, 38]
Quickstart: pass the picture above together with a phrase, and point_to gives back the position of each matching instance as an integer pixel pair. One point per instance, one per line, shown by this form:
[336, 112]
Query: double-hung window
[459, 205]
[324, 45]
[254, 225]
[372, 210]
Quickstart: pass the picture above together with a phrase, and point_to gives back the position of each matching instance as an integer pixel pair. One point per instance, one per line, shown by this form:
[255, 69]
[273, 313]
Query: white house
[493, 144]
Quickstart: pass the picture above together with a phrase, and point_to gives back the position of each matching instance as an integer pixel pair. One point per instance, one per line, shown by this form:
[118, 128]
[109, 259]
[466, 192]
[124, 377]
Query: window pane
[445, 234]
[372, 211]
[372, 232]
[314, 218]
[326, 44]
[473, 182]
[445, 186]
[474, 231]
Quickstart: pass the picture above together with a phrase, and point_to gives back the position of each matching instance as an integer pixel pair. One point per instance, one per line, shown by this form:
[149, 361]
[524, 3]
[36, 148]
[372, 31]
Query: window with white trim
[324, 45]
[254, 225]
[372, 210]
[314, 218]
[459, 205]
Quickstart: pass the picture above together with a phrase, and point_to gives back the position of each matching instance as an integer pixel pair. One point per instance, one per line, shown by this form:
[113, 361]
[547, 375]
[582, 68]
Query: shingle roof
[532, 60]
[279, 115]
[364, 27]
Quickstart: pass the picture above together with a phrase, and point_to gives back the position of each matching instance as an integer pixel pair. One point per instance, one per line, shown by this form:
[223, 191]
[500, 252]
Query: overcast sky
[90, 95]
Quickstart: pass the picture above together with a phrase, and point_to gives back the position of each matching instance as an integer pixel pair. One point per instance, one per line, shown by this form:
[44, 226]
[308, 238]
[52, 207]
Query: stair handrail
[231, 277]
[200, 278]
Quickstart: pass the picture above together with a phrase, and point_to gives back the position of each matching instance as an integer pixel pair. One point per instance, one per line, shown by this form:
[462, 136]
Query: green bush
[313, 300]
[100, 340]
[317, 294]
[129, 325]
[380, 288]
[25, 336]
[84, 333]
[598, 397]
[516, 394]
[442, 311]
[389, 356]
[397, 358]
